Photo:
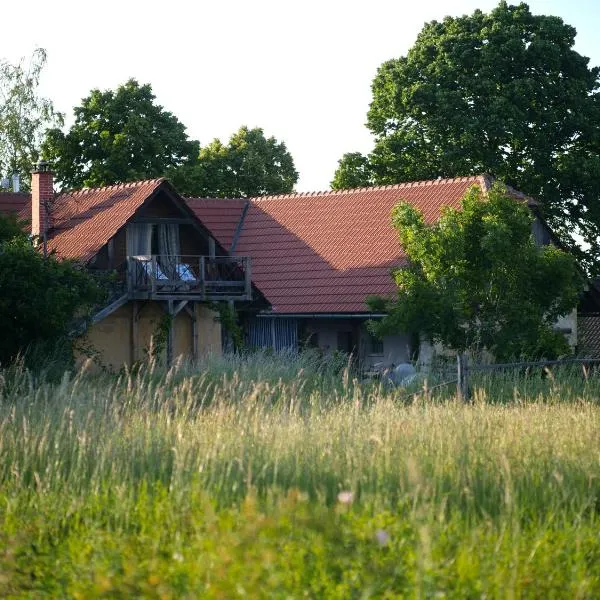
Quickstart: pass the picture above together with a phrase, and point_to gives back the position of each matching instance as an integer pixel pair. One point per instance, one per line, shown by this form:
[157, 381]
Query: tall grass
[277, 477]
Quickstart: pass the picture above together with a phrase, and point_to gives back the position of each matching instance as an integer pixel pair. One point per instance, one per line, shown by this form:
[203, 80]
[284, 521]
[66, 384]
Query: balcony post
[170, 333]
[202, 278]
[154, 271]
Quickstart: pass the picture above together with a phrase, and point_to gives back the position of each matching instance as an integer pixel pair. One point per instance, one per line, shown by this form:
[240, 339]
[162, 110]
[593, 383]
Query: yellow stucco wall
[108, 342]
[150, 316]
[182, 338]
[111, 345]
[209, 331]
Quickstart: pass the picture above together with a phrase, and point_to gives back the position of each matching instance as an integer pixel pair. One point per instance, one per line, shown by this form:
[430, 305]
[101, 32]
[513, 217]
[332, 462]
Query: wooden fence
[464, 369]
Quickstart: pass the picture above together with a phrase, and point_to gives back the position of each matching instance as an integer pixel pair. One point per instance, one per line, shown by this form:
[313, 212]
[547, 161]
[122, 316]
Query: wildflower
[382, 537]
[178, 556]
[345, 497]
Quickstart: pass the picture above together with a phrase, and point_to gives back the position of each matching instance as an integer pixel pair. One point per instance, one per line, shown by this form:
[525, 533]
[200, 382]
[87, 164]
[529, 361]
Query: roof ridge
[375, 188]
[204, 198]
[115, 186]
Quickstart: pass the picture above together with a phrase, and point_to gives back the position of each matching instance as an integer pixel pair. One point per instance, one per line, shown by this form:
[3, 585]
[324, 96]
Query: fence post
[462, 386]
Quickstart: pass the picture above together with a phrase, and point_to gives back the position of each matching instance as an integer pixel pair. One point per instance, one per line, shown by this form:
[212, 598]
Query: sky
[300, 70]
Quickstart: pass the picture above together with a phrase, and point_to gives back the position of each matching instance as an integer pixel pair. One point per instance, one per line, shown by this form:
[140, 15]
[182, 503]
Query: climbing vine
[228, 317]
[159, 336]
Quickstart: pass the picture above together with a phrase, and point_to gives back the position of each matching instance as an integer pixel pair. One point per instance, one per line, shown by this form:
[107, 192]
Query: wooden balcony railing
[189, 277]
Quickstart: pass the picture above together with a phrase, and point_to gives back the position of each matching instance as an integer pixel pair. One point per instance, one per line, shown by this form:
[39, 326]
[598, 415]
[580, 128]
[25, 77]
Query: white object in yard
[404, 374]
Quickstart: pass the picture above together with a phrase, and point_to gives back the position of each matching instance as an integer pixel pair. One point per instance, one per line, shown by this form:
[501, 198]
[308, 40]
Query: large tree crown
[505, 93]
[118, 135]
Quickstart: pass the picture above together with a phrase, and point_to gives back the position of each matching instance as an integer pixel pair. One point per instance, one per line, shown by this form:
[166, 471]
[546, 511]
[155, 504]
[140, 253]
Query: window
[375, 345]
[345, 341]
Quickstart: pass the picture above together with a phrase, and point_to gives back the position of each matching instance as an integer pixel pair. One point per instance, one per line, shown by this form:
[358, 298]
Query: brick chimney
[42, 193]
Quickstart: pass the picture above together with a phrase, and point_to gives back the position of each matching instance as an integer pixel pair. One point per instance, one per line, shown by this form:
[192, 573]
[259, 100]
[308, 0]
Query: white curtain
[168, 249]
[168, 240]
[139, 239]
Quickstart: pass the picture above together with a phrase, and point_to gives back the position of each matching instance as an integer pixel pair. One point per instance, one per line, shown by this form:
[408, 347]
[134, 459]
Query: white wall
[395, 347]
[395, 351]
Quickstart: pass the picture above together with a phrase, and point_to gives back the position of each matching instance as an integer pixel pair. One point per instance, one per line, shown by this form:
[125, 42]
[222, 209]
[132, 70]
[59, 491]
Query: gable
[82, 222]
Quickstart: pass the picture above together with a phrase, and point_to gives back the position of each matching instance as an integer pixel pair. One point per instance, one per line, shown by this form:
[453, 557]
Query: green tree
[503, 93]
[353, 171]
[24, 115]
[40, 296]
[476, 280]
[118, 136]
[11, 228]
[249, 165]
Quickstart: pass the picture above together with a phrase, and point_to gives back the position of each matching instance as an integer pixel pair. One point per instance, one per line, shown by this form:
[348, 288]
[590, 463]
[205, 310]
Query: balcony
[200, 278]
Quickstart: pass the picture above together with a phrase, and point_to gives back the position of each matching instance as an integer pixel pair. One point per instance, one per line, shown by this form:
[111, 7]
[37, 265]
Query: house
[317, 256]
[313, 259]
[170, 269]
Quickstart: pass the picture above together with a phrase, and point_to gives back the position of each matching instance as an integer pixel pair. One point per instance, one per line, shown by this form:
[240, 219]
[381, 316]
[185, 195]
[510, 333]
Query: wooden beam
[179, 307]
[226, 297]
[190, 297]
[170, 333]
[202, 273]
[107, 310]
[224, 283]
[135, 316]
[238, 229]
[111, 253]
[192, 313]
[211, 247]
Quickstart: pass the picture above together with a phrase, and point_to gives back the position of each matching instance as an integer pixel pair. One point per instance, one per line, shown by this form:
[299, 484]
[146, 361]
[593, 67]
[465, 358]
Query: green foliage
[503, 93]
[11, 228]
[159, 338]
[24, 115]
[126, 488]
[249, 165]
[353, 171]
[476, 280]
[40, 296]
[118, 136]
[228, 317]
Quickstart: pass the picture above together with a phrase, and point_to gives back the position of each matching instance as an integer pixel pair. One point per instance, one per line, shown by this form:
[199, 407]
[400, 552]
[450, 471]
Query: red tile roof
[83, 221]
[223, 215]
[588, 334]
[322, 252]
[19, 204]
[325, 252]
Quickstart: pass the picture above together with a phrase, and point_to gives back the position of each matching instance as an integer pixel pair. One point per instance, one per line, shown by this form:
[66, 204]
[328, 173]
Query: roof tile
[325, 252]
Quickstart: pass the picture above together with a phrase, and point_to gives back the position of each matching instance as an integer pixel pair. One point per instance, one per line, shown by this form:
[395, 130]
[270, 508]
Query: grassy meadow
[277, 477]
